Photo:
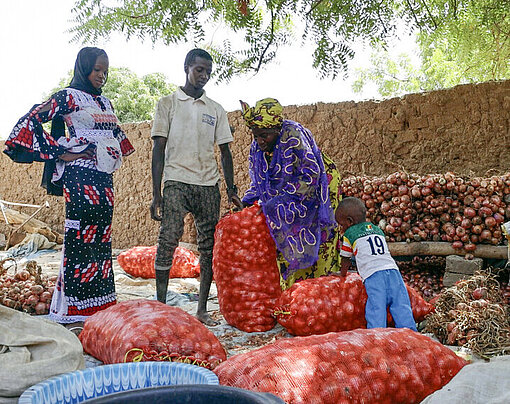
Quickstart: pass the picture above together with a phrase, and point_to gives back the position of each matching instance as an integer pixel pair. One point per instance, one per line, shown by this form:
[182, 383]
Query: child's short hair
[353, 207]
[196, 53]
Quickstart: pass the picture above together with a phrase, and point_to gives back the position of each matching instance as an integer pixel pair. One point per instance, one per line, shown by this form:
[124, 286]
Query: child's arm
[346, 264]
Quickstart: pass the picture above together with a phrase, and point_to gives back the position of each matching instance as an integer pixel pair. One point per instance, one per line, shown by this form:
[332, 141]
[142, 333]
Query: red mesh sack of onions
[139, 262]
[380, 365]
[245, 271]
[332, 303]
[147, 330]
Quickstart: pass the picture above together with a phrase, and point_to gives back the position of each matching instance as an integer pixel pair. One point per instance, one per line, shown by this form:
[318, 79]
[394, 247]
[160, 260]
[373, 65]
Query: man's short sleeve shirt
[192, 127]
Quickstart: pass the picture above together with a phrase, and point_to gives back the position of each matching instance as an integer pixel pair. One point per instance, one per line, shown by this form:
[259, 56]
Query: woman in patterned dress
[298, 187]
[79, 164]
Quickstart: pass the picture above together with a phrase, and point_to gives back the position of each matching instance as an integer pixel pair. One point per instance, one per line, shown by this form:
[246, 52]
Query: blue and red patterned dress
[85, 283]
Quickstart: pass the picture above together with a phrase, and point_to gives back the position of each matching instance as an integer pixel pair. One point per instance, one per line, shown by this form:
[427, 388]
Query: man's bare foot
[206, 319]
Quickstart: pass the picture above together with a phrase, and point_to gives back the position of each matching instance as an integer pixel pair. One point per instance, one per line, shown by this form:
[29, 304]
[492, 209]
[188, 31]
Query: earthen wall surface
[465, 129]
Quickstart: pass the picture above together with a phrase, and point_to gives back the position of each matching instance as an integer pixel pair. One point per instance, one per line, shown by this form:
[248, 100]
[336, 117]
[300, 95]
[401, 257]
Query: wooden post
[444, 248]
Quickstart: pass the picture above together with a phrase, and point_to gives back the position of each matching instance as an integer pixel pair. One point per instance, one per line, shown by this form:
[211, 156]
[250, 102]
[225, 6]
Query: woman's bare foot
[206, 319]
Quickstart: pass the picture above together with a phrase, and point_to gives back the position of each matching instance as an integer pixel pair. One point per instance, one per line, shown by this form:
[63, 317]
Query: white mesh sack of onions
[473, 314]
[439, 207]
[27, 290]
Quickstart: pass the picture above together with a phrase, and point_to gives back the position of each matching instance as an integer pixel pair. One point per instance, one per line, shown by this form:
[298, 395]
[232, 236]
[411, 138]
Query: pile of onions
[26, 290]
[424, 274]
[439, 207]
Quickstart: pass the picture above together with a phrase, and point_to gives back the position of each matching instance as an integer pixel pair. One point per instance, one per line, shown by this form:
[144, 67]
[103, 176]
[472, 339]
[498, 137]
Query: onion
[426, 191]
[490, 222]
[40, 308]
[403, 190]
[466, 223]
[469, 213]
[470, 247]
[485, 211]
[477, 229]
[457, 245]
[485, 235]
[476, 220]
[389, 229]
[22, 275]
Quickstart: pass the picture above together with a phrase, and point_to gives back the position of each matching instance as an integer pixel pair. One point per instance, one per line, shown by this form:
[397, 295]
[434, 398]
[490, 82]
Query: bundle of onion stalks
[473, 314]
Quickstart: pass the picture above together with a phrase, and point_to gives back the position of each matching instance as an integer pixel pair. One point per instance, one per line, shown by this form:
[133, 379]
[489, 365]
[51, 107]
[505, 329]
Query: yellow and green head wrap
[266, 113]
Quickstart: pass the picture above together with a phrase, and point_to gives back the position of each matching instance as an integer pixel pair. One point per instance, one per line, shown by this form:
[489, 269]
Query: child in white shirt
[381, 277]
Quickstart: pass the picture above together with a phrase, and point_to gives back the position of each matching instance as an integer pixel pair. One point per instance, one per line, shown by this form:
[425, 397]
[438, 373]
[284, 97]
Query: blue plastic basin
[82, 385]
[192, 394]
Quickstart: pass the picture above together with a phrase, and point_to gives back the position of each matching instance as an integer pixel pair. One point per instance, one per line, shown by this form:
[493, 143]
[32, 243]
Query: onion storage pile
[424, 274]
[26, 290]
[472, 313]
[441, 207]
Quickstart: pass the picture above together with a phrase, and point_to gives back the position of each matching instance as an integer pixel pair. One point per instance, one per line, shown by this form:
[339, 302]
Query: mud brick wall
[465, 129]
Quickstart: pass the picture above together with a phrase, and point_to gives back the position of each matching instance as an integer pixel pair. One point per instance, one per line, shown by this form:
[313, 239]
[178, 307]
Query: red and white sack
[380, 365]
[139, 261]
[245, 270]
[147, 330]
[332, 303]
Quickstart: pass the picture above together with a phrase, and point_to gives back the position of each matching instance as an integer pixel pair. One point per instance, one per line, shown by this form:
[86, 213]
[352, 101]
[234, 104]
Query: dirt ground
[182, 292]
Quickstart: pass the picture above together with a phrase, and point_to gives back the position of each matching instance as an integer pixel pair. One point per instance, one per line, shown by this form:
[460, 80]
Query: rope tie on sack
[163, 356]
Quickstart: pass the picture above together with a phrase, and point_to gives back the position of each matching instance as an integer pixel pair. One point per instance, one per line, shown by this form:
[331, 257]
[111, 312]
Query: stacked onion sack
[139, 261]
[245, 271]
[383, 366]
[27, 290]
[424, 274]
[473, 313]
[441, 207]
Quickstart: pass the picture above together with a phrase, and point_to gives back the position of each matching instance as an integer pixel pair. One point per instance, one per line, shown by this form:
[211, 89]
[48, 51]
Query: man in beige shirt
[187, 125]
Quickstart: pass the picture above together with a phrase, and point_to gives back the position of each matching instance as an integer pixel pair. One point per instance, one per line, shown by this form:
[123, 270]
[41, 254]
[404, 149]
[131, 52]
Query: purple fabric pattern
[293, 190]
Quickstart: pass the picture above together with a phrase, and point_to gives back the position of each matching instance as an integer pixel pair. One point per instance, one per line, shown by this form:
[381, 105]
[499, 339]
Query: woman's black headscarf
[83, 66]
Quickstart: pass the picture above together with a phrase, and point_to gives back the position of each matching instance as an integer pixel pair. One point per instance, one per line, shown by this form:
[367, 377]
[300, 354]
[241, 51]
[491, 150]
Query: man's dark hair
[194, 53]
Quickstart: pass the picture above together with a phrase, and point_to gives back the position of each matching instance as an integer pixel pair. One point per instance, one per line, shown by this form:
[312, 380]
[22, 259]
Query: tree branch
[271, 38]
[317, 3]
[414, 14]
[430, 14]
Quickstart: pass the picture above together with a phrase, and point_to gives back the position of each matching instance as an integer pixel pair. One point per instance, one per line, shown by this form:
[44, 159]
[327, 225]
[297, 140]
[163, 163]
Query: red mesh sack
[245, 271]
[332, 303]
[139, 262]
[380, 365]
[147, 330]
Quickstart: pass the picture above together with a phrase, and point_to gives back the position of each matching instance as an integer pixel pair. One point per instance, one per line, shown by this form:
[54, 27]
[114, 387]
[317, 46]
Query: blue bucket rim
[209, 376]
